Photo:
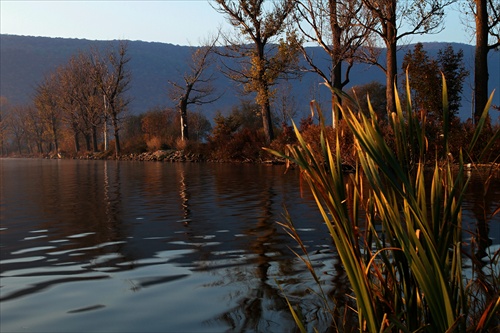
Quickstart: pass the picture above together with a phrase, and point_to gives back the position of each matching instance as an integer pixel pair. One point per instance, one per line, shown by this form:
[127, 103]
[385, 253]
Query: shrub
[181, 144]
[153, 143]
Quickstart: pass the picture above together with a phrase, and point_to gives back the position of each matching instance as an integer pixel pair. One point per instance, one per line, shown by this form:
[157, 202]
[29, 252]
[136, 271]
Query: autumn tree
[424, 74]
[157, 125]
[132, 135]
[263, 52]
[424, 77]
[396, 20]
[334, 26]
[452, 66]
[224, 127]
[197, 87]
[375, 91]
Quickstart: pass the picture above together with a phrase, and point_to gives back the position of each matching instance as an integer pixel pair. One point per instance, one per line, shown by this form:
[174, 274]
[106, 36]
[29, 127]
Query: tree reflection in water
[184, 193]
[263, 308]
[112, 195]
[484, 188]
[483, 205]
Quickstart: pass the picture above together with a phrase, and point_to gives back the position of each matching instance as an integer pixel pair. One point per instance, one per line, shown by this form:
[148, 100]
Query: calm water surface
[107, 246]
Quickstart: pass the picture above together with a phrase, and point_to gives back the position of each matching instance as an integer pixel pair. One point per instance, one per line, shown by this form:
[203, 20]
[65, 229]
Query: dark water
[107, 246]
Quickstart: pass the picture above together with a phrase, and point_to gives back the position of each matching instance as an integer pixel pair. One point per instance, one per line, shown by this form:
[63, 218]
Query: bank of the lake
[164, 155]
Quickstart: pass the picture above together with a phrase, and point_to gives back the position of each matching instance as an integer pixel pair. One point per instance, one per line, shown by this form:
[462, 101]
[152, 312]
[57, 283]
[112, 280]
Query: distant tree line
[81, 106]
[80, 99]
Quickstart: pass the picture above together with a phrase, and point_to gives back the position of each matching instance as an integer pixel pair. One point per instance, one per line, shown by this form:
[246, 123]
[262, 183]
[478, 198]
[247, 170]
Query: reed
[399, 239]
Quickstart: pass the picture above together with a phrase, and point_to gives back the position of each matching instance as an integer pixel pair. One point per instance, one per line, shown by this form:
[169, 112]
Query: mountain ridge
[24, 60]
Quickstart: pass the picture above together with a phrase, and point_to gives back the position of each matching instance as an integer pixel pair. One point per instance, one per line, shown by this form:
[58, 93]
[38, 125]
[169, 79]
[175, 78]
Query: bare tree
[46, 102]
[197, 88]
[397, 20]
[261, 63]
[77, 95]
[34, 128]
[285, 103]
[199, 125]
[88, 96]
[15, 126]
[4, 107]
[335, 26]
[113, 79]
[68, 89]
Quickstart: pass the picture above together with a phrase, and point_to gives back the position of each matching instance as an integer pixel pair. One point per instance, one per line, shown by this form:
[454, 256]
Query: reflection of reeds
[404, 261]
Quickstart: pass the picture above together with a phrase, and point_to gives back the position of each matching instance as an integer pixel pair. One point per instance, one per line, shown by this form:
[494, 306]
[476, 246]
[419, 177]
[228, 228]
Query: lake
[113, 246]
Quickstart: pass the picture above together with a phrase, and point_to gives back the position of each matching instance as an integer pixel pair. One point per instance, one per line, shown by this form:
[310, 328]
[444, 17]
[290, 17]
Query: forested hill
[25, 60]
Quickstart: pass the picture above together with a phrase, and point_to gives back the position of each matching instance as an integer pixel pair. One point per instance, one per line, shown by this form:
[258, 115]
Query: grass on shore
[399, 239]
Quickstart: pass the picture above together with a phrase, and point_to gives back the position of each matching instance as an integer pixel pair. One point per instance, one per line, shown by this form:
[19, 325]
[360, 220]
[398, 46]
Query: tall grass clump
[396, 224]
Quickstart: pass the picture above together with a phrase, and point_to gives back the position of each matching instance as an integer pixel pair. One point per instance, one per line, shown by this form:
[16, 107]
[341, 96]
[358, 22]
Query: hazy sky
[183, 22]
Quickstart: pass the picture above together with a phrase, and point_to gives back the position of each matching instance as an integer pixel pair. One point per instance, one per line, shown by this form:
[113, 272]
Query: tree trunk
[40, 147]
[76, 142]
[87, 141]
[337, 73]
[336, 98]
[262, 88]
[391, 68]
[94, 138]
[19, 145]
[391, 58]
[184, 120]
[336, 62]
[105, 133]
[481, 59]
[117, 137]
[56, 145]
[266, 117]
[56, 141]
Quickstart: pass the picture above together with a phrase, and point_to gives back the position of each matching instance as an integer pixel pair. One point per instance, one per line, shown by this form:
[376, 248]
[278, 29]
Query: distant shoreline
[172, 156]
[178, 156]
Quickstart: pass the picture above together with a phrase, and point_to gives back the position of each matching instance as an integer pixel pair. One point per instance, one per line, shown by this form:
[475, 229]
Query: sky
[181, 22]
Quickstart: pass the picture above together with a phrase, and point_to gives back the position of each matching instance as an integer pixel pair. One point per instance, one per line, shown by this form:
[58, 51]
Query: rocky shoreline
[174, 156]
[182, 156]
[163, 156]
[156, 156]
